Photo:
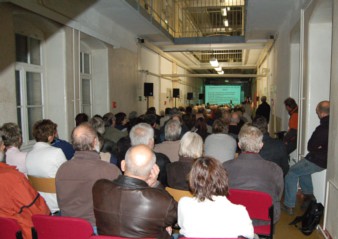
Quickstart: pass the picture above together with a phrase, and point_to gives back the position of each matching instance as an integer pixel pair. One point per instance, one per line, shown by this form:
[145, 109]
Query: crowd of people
[114, 170]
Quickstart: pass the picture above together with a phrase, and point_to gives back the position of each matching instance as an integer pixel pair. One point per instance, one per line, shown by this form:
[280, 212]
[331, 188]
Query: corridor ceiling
[238, 53]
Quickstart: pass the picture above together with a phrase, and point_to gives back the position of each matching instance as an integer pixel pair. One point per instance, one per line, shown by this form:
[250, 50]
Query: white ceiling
[263, 20]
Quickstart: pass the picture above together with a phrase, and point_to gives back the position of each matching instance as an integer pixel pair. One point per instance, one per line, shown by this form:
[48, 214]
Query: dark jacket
[177, 173]
[275, 151]
[318, 144]
[264, 110]
[128, 207]
[162, 161]
[251, 172]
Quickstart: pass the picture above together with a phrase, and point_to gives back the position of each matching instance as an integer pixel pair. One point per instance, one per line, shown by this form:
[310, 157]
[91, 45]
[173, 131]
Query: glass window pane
[34, 96]
[18, 88]
[34, 114]
[86, 91]
[18, 113]
[21, 48]
[86, 65]
[34, 51]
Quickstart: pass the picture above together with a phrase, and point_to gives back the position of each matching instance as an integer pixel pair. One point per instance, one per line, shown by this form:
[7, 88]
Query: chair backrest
[9, 228]
[177, 193]
[259, 206]
[46, 185]
[205, 238]
[114, 237]
[54, 227]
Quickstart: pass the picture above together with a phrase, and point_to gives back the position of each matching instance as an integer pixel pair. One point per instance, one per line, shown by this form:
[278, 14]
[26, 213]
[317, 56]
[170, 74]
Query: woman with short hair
[209, 214]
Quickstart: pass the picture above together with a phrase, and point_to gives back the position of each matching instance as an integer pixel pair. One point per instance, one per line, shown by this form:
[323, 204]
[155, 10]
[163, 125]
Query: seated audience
[19, 200]
[135, 205]
[44, 160]
[111, 133]
[143, 133]
[171, 145]
[191, 148]
[81, 118]
[201, 128]
[11, 136]
[220, 145]
[121, 121]
[66, 147]
[251, 172]
[235, 124]
[209, 214]
[75, 178]
[273, 149]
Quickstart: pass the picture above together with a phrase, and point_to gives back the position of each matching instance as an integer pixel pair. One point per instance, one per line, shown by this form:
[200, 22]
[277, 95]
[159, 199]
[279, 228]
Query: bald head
[323, 109]
[139, 161]
[84, 137]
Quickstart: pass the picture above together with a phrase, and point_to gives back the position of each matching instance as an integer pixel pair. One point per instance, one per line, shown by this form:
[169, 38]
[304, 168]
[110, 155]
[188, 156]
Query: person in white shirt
[44, 160]
[209, 214]
[11, 136]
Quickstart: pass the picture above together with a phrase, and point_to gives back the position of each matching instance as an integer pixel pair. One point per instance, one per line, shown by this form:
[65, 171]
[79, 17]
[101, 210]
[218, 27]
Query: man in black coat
[314, 161]
[264, 109]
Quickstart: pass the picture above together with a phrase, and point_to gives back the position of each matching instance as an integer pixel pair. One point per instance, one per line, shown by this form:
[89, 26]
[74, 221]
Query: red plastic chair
[10, 229]
[54, 227]
[205, 238]
[259, 206]
[113, 237]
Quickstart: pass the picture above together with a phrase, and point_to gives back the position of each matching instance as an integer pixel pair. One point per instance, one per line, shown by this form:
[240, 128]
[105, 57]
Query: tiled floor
[284, 231]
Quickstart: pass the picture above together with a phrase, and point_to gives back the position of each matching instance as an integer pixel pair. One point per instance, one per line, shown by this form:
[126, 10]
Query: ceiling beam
[213, 75]
[212, 47]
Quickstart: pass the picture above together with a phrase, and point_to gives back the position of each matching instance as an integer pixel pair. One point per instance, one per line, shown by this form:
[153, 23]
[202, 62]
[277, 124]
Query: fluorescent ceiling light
[218, 68]
[213, 61]
[226, 22]
[224, 11]
[220, 72]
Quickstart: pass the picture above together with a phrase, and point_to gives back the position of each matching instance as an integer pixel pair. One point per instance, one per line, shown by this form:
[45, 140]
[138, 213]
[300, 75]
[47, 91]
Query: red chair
[10, 229]
[205, 238]
[259, 206]
[113, 237]
[54, 227]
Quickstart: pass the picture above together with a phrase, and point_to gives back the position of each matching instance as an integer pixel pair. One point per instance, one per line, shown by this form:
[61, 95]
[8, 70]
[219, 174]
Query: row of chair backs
[10, 229]
[46, 185]
[52, 227]
[259, 206]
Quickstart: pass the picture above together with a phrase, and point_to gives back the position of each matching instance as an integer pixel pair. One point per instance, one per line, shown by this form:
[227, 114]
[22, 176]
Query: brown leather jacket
[128, 207]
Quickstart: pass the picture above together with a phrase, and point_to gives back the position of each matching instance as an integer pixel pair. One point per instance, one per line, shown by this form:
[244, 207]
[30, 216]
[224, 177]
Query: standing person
[75, 178]
[44, 160]
[134, 205]
[314, 161]
[209, 214]
[264, 109]
[290, 139]
[11, 136]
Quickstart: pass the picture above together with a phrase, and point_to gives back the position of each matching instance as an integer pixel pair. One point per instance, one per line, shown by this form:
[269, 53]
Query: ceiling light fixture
[218, 68]
[213, 62]
[226, 22]
[220, 72]
[224, 12]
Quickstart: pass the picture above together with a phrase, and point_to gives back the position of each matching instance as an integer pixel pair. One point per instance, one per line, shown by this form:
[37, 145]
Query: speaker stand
[147, 97]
